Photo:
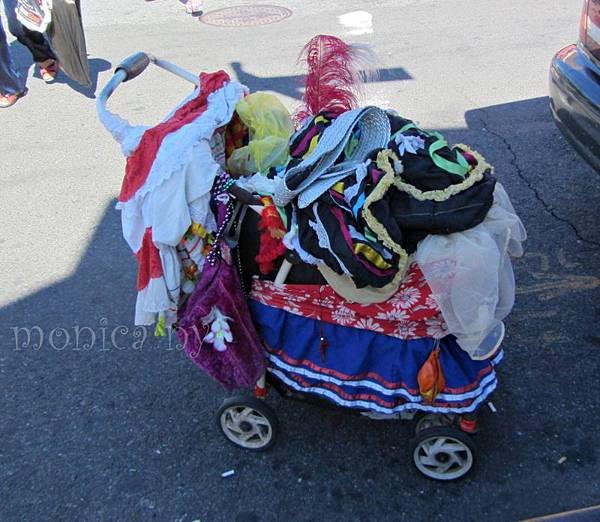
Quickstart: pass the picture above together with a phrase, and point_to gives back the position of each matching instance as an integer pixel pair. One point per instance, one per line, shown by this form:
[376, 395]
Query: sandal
[49, 72]
[8, 100]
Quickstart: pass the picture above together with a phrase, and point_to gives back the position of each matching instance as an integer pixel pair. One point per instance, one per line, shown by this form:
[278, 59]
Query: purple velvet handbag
[215, 326]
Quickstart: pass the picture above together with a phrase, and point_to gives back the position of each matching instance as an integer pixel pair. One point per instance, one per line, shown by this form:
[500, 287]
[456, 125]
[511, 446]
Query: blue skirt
[365, 370]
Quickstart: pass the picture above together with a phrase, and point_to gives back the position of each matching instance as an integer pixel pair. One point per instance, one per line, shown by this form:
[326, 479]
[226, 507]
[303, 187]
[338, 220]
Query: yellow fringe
[474, 175]
[377, 194]
[390, 178]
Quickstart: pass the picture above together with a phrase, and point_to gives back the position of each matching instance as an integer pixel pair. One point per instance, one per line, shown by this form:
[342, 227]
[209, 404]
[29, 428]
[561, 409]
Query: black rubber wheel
[248, 422]
[426, 420]
[443, 453]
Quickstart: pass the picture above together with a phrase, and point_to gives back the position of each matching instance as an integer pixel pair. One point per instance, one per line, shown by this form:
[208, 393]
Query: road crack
[547, 207]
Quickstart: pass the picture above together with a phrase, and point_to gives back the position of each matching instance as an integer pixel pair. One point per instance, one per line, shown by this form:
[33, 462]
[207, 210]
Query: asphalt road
[89, 431]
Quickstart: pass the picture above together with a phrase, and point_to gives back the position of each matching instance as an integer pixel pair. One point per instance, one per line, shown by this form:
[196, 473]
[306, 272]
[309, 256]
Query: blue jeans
[10, 81]
[14, 26]
[34, 41]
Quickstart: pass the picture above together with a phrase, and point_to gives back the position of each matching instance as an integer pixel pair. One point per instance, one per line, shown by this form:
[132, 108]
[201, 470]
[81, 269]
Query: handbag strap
[225, 212]
[234, 227]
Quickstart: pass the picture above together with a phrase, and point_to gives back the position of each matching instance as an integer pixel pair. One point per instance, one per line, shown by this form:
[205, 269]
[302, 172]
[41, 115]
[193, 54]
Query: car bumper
[575, 101]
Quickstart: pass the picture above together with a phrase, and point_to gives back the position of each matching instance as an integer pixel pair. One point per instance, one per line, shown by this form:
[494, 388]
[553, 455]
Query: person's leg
[37, 45]
[34, 41]
[14, 26]
[12, 86]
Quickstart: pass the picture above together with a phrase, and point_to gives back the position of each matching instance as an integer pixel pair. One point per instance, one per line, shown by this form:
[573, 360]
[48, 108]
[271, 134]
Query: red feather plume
[334, 75]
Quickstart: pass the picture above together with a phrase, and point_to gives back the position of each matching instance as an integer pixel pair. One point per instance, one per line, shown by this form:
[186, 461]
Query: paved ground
[92, 432]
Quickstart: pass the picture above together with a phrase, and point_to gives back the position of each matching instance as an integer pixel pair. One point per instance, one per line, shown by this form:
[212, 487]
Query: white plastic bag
[471, 277]
[194, 6]
[36, 15]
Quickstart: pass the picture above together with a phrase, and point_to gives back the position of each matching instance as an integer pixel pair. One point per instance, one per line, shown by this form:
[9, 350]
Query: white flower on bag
[368, 324]
[219, 333]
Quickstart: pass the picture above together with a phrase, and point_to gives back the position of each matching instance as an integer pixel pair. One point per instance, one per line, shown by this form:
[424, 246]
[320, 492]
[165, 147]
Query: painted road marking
[357, 22]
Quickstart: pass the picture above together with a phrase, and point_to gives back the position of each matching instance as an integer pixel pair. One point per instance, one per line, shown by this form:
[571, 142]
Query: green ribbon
[160, 330]
[408, 126]
[369, 235]
[460, 168]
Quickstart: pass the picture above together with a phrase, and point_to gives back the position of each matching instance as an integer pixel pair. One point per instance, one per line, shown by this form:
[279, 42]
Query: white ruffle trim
[125, 134]
[151, 301]
[178, 147]
[183, 172]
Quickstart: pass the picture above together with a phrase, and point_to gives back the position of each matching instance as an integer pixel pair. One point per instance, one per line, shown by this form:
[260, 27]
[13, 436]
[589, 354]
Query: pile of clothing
[413, 238]
[377, 192]
[165, 198]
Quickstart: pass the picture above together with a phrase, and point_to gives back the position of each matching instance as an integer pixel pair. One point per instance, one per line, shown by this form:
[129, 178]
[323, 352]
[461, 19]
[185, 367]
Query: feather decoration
[336, 74]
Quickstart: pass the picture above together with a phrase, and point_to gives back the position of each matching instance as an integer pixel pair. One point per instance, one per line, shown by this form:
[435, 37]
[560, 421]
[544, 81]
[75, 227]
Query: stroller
[320, 347]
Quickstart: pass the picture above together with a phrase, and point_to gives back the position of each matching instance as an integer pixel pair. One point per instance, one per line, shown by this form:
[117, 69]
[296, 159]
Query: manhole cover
[246, 15]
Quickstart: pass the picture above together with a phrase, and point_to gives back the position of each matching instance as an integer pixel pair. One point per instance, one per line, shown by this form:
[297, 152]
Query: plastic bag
[36, 15]
[67, 39]
[471, 277]
[270, 127]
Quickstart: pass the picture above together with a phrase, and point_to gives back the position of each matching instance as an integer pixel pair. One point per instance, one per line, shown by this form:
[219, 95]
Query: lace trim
[380, 190]
[390, 179]
[177, 152]
[323, 238]
[475, 175]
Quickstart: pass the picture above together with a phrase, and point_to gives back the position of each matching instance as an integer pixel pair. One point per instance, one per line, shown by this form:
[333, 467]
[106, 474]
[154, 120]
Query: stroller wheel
[248, 422]
[443, 453]
[432, 420]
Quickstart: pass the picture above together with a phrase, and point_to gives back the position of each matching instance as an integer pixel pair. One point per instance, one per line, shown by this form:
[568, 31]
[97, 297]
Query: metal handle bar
[133, 66]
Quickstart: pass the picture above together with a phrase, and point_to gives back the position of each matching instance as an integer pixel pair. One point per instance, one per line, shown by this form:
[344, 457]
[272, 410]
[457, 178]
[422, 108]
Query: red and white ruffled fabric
[170, 171]
[411, 313]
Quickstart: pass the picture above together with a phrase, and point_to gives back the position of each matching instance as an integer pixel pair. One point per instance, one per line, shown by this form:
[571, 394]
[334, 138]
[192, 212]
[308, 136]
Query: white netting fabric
[471, 277]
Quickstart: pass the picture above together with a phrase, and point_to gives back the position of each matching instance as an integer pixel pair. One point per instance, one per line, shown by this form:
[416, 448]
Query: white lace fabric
[175, 193]
[471, 276]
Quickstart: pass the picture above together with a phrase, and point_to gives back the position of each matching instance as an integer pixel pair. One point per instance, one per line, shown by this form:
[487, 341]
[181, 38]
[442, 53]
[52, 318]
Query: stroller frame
[442, 447]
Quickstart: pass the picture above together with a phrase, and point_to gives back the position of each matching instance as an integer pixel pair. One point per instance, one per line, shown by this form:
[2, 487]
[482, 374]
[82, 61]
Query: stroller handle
[134, 65]
[130, 68]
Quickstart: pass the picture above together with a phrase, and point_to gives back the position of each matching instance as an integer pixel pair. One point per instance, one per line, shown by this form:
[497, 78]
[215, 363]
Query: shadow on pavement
[293, 86]
[23, 61]
[114, 429]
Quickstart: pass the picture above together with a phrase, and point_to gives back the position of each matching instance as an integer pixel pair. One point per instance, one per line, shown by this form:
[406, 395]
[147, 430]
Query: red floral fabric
[149, 265]
[411, 313]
